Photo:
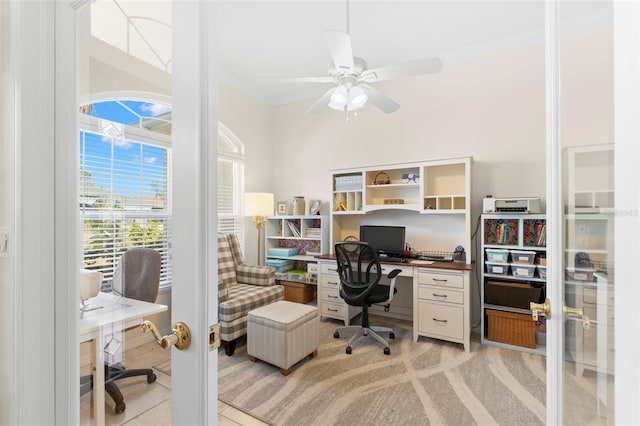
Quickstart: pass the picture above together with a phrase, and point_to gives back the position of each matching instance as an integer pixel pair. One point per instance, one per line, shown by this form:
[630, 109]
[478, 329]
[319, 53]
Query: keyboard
[437, 258]
[393, 259]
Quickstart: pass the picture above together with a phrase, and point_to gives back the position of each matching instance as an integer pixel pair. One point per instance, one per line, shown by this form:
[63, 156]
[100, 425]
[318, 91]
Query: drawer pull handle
[332, 283]
[332, 297]
[332, 310]
[439, 320]
[439, 295]
[439, 280]
[333, 270]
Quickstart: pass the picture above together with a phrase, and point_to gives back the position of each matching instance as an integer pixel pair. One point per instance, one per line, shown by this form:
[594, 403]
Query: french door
[128, 47]
[591, 211]
[42, 79]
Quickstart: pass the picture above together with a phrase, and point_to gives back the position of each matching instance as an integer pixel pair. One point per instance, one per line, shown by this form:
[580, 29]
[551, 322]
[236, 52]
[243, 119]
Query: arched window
[125, 182]
[230, 183]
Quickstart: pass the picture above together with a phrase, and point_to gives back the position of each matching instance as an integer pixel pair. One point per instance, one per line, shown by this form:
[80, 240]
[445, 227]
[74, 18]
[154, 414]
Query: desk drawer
[443, 279]
[440, 294]
[330, 281]
[329, 268]
[405, 271]
[331, 295]
[441, 320]
[333, 310]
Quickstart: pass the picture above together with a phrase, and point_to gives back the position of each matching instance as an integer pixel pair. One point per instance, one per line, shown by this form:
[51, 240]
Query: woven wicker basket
[511, 328]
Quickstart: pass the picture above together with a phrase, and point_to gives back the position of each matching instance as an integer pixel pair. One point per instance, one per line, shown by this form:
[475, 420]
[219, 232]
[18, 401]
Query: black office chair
[137, 276]
[360, 273]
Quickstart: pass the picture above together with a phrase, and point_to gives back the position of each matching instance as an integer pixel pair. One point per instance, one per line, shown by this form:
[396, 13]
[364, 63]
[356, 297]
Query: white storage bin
[497, 268]
[522, 270]
[542, 272]
[580, 274]
[497, 255]
[520, 256]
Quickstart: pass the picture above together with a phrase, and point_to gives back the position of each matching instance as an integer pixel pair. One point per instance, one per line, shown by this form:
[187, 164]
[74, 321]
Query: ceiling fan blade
[382, 101]
[339, 45]
[321, 103]
[423, 66]
[286, 80]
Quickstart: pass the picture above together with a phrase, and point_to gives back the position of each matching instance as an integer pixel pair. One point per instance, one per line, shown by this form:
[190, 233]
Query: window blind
[230, 184]
[124, 201]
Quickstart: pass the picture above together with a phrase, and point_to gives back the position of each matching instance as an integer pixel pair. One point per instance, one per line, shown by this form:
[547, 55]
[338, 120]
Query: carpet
[420, 383]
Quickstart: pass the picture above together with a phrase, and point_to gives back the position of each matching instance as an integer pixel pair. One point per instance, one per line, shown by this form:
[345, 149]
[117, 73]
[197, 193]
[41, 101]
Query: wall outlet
[214, 337]
[4, 242]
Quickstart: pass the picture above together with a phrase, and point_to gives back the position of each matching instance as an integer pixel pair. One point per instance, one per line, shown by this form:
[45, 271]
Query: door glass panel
[586, 103]
[124, 158]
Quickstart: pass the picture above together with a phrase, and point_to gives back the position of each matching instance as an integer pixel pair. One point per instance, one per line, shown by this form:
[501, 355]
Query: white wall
[491, 108]
[6, 298]
[251, 121]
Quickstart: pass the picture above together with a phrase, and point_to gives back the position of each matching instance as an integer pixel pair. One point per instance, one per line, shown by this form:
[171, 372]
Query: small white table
[114, 309]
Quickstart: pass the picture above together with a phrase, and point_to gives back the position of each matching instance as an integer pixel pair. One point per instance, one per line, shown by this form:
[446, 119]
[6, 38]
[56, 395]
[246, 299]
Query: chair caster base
[348, 350]
[392, 336]
[120, 407]
[336, 335]
[151, 378]
[387, 351]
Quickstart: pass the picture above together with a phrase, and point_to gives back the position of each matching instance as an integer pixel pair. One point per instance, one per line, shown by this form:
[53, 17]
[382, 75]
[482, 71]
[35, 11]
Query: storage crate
[542, 272]
[522, 270]
[298, 292]
[580, 274]
[282, 251]
[511, 328]
[497, 268]
[520, 256]
[512, 294]
[281, 265]
[497, 255]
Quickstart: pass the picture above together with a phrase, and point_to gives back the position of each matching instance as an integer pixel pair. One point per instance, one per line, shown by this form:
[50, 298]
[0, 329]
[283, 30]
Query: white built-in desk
[436, 297]
[115, 309]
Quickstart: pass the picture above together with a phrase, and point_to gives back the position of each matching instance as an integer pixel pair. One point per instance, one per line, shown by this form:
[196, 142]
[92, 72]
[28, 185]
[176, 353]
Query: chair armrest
[392, 282]
[256, 275]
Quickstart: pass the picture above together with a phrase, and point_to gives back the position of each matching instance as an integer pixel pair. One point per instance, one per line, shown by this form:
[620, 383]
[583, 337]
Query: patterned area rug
[420, 383]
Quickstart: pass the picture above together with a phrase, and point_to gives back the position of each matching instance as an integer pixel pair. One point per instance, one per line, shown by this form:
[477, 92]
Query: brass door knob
[180, 336]
[577, 313]
[543, 309]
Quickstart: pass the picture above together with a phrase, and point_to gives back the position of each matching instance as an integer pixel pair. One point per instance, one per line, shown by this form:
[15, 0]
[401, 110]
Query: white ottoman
[283, 333]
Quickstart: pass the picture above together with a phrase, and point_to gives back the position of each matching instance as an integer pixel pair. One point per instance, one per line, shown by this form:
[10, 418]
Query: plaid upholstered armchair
[241, 288]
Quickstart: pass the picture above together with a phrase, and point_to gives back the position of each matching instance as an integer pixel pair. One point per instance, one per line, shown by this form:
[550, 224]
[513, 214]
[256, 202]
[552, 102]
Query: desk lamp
[89, 283]
[258, 205]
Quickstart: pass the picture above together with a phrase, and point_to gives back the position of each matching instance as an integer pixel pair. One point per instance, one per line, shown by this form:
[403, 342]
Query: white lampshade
[339, 98]
[348, 100]
[89, 283]
[357, 97]
[258, 204]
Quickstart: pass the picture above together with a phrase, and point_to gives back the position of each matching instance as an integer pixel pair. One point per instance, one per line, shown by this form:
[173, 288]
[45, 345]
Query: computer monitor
[388, 240]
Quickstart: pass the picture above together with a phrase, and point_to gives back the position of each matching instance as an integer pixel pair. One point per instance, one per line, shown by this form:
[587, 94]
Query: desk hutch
[436, 296]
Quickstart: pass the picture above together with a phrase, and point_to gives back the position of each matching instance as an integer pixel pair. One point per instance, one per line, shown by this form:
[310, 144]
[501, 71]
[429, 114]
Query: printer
[511, 205]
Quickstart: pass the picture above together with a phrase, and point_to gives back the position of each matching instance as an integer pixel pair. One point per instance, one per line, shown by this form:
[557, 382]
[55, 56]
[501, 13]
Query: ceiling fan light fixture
[357, 97]
[339, 96]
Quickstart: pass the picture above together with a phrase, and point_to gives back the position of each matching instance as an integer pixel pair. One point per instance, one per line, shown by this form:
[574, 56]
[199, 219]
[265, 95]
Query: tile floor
[151, 404]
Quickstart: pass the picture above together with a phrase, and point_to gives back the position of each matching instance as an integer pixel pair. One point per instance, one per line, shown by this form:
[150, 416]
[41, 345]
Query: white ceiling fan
[352, 78]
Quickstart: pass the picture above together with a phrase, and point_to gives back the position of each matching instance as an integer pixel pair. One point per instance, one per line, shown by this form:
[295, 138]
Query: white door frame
[43, 354]
[627, 214]
[44, 387]
[195, 218]
[555, 293]
[626, 21]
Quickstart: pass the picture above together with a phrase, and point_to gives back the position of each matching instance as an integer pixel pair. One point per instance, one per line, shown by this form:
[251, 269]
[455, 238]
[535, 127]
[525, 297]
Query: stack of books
[295, 228]
[314, 233]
